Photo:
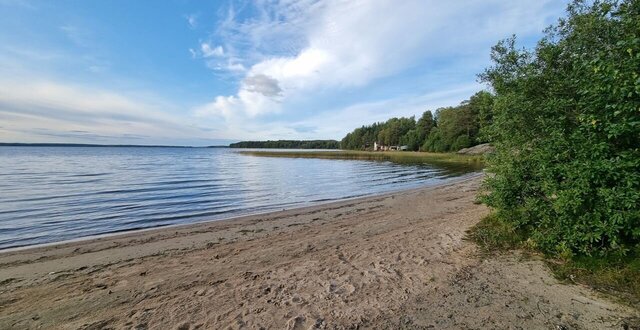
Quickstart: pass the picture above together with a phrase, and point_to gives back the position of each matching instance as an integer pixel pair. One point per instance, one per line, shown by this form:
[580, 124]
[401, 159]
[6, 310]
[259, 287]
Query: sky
[187, 72]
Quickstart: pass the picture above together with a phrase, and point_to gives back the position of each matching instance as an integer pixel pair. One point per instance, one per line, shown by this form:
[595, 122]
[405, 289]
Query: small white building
[379, 147]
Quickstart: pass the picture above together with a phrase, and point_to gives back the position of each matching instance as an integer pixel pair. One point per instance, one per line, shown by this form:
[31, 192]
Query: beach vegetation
[614, 274]
[617, 275]
[493, 234]
[564, 180]
[566, 127]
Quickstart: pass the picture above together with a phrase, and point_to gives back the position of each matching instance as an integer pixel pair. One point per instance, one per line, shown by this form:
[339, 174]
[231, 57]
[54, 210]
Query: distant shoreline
[405, 157]
[287, 144]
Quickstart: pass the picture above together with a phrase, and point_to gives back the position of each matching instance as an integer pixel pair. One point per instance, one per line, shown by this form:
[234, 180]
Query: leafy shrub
[462, 141]
[566, 127]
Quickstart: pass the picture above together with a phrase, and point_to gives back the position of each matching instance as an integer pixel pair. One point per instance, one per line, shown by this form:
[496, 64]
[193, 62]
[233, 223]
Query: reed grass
[406, 157]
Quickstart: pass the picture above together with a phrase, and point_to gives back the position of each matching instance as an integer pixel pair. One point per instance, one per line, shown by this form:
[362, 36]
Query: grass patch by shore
[615, 275]
[618, 276]
[406, 157]
[493, 235]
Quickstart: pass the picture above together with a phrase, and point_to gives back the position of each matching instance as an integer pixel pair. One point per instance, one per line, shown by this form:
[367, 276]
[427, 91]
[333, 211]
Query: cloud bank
[53, 112]
[335, 45]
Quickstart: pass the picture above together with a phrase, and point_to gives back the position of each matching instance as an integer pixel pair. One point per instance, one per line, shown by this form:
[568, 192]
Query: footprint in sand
[344, 289]
[296, 323]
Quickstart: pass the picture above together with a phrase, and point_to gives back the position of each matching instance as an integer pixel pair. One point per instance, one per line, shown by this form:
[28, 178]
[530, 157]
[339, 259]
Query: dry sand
[397, 261]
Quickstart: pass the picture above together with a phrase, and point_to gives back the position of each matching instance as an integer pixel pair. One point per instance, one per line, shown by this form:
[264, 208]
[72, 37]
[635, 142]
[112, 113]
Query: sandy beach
[395, 261]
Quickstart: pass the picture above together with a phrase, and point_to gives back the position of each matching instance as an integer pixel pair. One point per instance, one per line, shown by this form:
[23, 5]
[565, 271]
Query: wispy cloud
[192, 20]
[336, 122]
[209, 51]
[18, 3]
[68, 112]
[79, 36]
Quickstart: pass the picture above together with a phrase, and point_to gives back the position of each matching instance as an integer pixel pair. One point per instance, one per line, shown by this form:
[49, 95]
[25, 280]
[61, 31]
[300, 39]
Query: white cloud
[234, 65]
[192, 20]
[262, 84]
[208, 51]
[336, 122]
[338, 44]
[246, 102]
[79, 36]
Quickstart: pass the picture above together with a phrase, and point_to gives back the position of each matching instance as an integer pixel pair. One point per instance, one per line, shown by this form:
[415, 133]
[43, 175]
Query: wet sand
[396, 261]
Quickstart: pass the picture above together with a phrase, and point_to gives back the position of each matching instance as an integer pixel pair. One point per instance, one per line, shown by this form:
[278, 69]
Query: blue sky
[183, 72]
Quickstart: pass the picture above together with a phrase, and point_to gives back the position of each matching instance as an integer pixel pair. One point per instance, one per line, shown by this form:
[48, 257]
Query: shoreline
[445, 159]
[397, 260]
[302, 207]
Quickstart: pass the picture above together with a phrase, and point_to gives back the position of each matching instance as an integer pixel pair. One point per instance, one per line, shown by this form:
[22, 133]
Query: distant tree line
[288, 144]
[450, 129]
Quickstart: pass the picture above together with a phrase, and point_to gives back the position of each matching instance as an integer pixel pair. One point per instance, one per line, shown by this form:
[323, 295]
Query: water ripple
[55, 194]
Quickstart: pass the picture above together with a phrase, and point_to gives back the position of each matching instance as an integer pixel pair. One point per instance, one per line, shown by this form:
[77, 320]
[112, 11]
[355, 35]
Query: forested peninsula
[449, 129]
[288, 144]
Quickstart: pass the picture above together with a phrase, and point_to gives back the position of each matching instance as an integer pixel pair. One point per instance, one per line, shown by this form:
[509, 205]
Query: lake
[51, 194]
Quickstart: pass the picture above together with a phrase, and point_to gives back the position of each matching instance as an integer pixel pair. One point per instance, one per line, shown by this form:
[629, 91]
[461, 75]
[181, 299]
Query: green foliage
[288, 144]
[493, 234]
[411, 139]
[395, 129]
[481, 107]
[462, 141]
[459, 127]
[451, 129]
[566, 126]
[435, 142]
[392, 132]
[424, 126]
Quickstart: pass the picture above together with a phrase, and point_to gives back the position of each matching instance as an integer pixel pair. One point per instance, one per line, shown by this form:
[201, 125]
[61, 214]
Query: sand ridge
[396, 261]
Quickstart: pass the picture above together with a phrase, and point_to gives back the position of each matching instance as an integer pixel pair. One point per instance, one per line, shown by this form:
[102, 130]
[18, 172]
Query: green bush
[566, 126]
[462, 141]
[493, 234]
[435, 142]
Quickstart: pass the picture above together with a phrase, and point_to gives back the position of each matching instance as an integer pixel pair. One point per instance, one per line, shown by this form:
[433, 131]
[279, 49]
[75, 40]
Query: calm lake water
[50, 194]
